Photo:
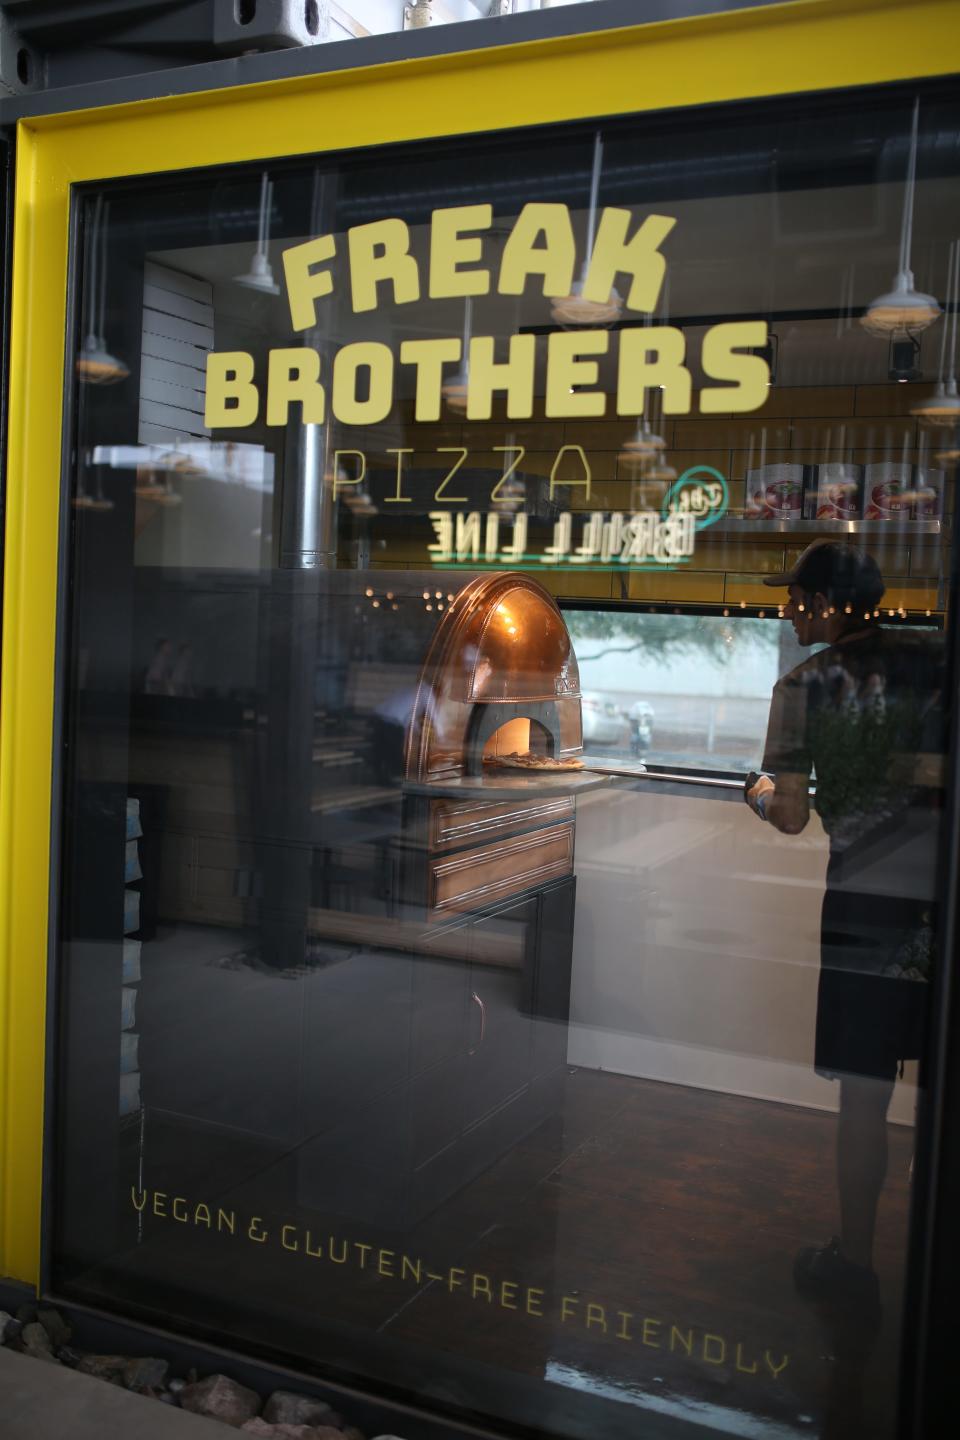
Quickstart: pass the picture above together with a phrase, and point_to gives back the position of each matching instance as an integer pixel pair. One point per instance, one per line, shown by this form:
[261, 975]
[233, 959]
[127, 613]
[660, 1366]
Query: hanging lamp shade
[359, 502]
[943, 406]
[950, 453]
[642, 446]
[260, 275]
[511, 494]
[147, 485]
[940, 408]
[657, 470]
[96, 366]
[903, 308]
[573, 309]
[454, 391]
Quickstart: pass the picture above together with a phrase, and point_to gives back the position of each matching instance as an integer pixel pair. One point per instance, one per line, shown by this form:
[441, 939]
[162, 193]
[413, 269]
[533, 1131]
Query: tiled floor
[636, 1251]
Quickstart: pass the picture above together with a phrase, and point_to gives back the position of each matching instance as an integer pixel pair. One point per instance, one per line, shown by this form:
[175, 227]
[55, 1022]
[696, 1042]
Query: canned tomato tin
[835, 492]
[774, 492]
[886, 491]
[902, 492]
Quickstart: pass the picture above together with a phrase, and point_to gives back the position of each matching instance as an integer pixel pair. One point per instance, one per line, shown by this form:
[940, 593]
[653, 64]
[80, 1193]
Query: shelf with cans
[883, 493]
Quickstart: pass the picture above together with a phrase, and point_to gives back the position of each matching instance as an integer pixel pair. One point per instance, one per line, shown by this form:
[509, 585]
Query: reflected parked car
[604, 723]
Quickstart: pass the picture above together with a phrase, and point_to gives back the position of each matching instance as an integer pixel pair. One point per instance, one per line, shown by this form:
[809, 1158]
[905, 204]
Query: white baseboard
[753, 1076]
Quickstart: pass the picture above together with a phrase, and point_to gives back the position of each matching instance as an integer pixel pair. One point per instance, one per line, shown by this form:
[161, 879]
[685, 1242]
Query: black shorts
[867, 1022]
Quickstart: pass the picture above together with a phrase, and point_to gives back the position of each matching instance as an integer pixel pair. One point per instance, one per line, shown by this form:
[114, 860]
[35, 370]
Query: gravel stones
[285, 1407]
[146, 1374]
[41, 1331]
[265, 1431]
[104, 1367]
[222, 1399]
[55, 1325]
[36, 1342]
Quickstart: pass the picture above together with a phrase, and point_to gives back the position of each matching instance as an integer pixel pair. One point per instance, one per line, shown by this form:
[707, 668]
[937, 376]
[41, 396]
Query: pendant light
[645, 445]
[903, 307]
[147, 485]
[454, 390]
[658, 471]
[511, 492]
[943, 406]
[574, 309]
[99, 500]
[95, 365]
[260, 275]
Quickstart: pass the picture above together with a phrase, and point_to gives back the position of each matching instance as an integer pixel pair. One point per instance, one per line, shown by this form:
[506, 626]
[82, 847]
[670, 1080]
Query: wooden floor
[636, 1253]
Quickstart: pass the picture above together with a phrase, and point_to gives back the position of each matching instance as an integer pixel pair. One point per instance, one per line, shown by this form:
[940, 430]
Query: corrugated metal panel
[177, 335]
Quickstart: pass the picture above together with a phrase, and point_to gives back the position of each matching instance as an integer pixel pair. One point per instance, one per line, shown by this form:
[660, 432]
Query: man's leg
[861, 1161]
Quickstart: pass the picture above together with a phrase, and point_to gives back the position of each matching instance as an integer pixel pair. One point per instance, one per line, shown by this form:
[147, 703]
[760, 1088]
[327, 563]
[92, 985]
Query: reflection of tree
[664, 637]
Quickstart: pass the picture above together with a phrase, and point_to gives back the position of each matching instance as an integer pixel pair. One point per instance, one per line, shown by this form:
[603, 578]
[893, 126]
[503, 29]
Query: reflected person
[863, 718]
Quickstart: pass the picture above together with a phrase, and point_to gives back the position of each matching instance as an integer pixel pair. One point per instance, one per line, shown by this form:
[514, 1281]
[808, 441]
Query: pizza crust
[528, 761]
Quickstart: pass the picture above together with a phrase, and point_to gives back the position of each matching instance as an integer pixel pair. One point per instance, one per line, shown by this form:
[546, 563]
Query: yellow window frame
[805, 45]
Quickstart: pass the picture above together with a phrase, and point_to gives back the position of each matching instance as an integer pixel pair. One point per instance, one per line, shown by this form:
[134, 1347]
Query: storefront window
[435, 1013]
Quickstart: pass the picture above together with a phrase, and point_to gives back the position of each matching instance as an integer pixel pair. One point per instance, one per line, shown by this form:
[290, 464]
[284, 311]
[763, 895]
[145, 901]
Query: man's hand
[763, 787]
[785, 804]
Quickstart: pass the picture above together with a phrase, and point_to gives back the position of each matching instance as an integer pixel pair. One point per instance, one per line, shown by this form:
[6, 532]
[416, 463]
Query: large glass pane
[434, 1012]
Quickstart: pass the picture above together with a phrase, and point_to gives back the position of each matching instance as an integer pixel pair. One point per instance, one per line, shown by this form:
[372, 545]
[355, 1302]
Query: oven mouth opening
[519, 736]
[497, 729]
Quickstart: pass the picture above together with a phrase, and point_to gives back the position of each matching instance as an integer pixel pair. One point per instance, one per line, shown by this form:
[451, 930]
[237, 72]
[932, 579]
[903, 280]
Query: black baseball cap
[838, 571]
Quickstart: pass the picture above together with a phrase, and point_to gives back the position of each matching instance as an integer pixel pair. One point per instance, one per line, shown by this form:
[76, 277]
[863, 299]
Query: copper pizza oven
[500, 676]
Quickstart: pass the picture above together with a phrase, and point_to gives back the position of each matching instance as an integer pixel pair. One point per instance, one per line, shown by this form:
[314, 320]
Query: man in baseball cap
[845, 576]
[858, 715]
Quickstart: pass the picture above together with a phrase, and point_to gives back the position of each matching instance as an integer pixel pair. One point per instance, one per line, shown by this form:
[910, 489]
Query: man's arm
[784, 802]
